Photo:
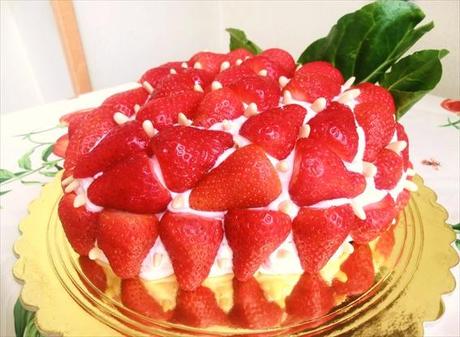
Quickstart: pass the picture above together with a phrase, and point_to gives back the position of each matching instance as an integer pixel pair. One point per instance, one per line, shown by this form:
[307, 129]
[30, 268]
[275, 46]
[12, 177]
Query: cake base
[407, 290]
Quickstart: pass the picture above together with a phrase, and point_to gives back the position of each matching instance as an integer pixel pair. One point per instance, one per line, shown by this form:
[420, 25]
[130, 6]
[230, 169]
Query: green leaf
[24, 162]
[456, 227]
[4, 192]
[457, 243]
[5, 175]
[412, 77]
[21, 318]
[30, 182]
[367, 42]
[48, 173]
[47, 152]
[238, 40]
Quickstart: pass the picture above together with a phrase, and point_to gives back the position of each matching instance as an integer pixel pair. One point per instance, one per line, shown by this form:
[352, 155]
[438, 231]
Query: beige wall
[123, 38]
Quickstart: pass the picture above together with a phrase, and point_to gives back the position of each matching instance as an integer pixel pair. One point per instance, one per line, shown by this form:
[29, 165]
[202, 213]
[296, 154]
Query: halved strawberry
[125, 101]
[163, 111]
[319, 174]
[359, 270]
[335, 127]
[135, 296]
[154, 75]
[238, 54]
[79, 224]
[319, 232]
[72, 116]
[233, 75]
[386, 242]
[120, 143]
[275, 130]
[375, 114]
[94, 273]
[282, 58]
[126, 238]
[216, 106]
[198, 308]
[323, 68]
[401, 134]
[259, 90]
[402, 200]
[389, 169]
[192, 242]
[184, 80]
[253, 235]
[379, 216]
[91, 128]
[260, 63]
[130, 185]
[311, 298]
[250, 307]
[309, 87]
[208, 61]
[245, 179]
[186, 154]
[60, 147]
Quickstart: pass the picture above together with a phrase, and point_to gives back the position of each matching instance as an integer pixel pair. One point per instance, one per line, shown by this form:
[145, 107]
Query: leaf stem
[25, 174]
[59, 126]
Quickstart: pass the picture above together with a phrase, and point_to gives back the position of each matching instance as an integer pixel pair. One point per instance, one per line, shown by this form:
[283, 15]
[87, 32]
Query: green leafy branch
[48, 167]
[24, 322]
[456, 229]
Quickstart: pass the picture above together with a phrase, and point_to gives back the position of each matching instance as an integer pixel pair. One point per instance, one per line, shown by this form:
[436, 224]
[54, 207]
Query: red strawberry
[90, 129]
[386, 243]
[208, 61]
[238, 54]
[275, 130]
[198, 308]
[94, 273]
[184, 80]
[186, 154]
[335, 127]
[389, 169]
[73, 116]
[260, 63]
[130, 185]
[359, 270]
[253, 235]
[233, 75]
[322, 68]
[79, 224]
[311, 298]
[155, 75]
[251, 309]
[216, 106]
[402, 200]
[319, 232]
[125, 101]
[126, 238]
[375, 114]
[74, 122]
[319, 174]
[259, 90]
[282, 58]
[192, 242]
[60, 147]
[135, 296]
[163, 111]
[120, 143]
[379, 216]
[401, 134]
[245, 179]
[309, 87]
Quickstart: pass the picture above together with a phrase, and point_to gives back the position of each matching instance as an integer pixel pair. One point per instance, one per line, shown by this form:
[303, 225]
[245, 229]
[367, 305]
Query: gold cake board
[413, 298]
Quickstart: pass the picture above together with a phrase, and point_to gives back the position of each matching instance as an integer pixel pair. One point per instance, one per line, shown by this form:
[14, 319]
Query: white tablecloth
[428, 141]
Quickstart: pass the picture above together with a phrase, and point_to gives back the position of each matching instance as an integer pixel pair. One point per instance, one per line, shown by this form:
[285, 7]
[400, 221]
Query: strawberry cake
[233, 164]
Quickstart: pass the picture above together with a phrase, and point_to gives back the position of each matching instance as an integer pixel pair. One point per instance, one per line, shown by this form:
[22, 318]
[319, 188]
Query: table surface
[427, 141]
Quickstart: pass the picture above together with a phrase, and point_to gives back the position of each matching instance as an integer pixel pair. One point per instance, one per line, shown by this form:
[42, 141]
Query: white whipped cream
[284, 260]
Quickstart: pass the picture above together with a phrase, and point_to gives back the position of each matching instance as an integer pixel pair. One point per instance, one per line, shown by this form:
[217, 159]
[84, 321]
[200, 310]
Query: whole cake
[233, 164]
